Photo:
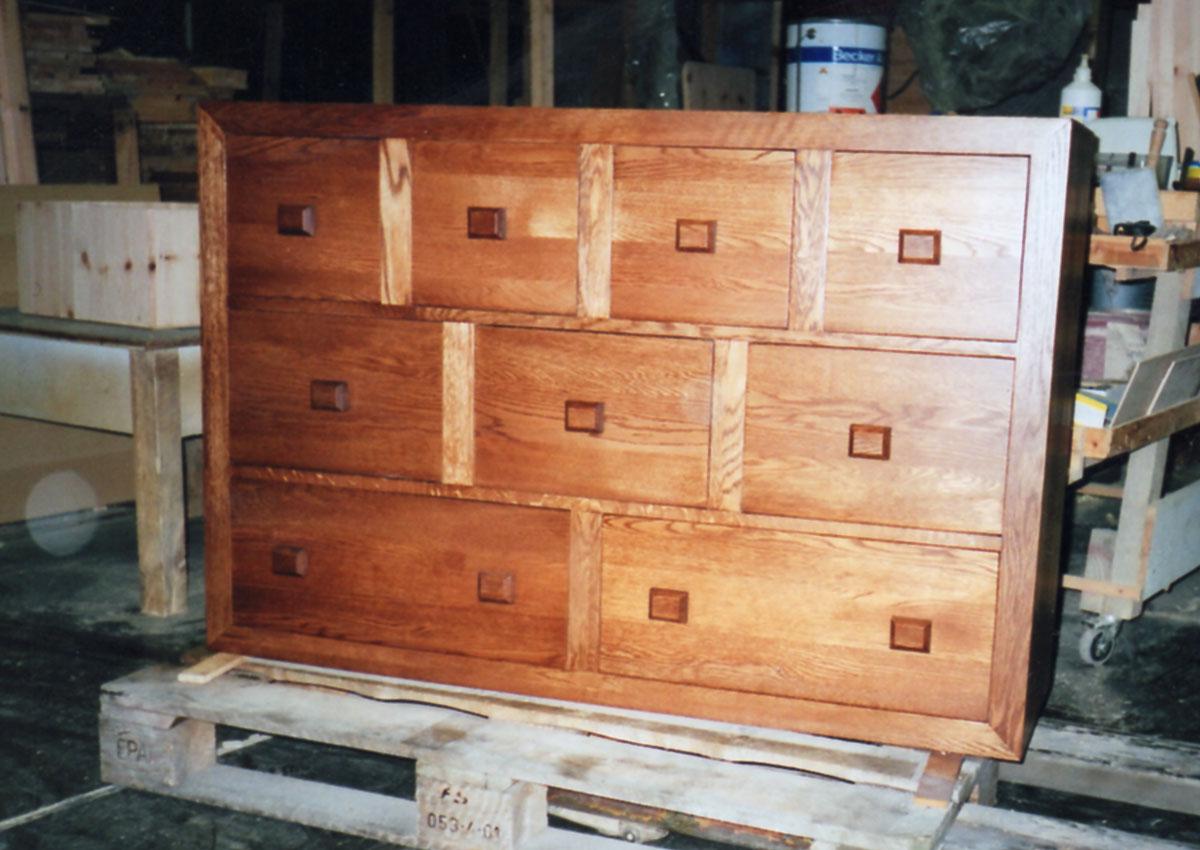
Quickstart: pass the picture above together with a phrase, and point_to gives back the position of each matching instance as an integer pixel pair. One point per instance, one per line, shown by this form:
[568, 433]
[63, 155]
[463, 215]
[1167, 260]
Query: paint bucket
[835, 65]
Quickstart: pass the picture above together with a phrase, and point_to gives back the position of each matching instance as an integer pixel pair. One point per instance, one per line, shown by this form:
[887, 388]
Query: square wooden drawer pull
[695, 236]
[486, 223]
[872, 442]
[911, 635]
[329, 395]
[921, 246]
[584, 416]
[668, 605]
[500, 588]
[289, 561]
[296, 220]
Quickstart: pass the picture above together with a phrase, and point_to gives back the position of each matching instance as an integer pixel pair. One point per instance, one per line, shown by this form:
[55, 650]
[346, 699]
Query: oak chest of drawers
[760, 418]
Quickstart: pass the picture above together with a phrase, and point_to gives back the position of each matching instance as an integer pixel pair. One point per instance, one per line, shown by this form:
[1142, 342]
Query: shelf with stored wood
[1155, 543]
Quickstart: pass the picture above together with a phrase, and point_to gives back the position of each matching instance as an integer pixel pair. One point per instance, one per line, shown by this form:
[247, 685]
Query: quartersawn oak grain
[393, 376]
[403, 571]
[340, 180]
[744, 279]
[949, 428]
[534, 266]
[771, 612]
[978, 204]
[656, 395]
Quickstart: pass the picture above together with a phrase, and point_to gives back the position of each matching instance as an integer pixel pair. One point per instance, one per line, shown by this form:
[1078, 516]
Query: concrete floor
[69, 623]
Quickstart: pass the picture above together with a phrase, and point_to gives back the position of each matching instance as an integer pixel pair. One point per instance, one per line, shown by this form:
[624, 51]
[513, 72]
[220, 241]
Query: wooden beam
[16, 128]
[383, 52]
[540, 81]
[125, 137]
[272, 50]
[498, 54]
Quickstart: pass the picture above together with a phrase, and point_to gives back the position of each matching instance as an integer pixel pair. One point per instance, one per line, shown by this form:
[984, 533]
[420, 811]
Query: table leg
[158, 480]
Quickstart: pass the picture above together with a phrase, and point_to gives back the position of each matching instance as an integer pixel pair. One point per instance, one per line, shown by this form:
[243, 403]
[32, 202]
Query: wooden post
[776, 57]
[16, 127]
[498, 54]
[128, 159]
[540, 82]
[272, 50]
[158, 480]
[383, 53]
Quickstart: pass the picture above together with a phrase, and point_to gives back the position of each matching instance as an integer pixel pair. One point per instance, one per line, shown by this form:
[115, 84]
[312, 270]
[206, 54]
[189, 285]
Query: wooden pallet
[485, 762]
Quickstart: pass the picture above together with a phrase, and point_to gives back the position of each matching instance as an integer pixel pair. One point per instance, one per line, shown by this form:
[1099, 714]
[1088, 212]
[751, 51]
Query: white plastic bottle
[1081, 97]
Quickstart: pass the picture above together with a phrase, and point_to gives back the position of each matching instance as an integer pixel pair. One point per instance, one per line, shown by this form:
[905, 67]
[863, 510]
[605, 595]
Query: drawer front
[304, 218]
[900, 439]
[702, 235]
[494, 226]
[585, 414]
[339, 394]
[419, 573]
[884, 625]
[925, 245]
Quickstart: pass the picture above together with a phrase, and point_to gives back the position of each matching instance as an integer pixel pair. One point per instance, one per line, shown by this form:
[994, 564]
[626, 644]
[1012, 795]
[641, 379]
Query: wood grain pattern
[949, 427]
[458, 403]
[402, 571]
[395, 216]
[1040, 438]
[393, 377]
[583, 622]
[687, 330]
[978, 204]
[534, 267]
[744, 279]
[812, 616]
[901, 133]
[810, 227]
[727, 435]
[340, 179]
[595, 229]
[214, 327]
[158, 481]
[656, 396]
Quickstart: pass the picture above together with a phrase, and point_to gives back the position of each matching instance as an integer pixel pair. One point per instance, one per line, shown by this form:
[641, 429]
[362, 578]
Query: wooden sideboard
[762, 418]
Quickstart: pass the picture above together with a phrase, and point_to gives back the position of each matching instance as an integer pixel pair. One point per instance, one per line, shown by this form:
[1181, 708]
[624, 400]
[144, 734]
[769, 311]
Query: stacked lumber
[60, 52]
[165, 90]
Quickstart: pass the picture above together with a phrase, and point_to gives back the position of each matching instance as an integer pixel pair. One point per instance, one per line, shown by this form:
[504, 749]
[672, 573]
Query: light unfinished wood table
[127, 380]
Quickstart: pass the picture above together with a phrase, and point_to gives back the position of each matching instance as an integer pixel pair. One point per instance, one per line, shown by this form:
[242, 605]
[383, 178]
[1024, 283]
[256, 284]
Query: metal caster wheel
[1098, 640]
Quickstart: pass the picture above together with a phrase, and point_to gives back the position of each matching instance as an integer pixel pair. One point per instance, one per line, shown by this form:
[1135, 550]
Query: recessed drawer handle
[289, 561]
[584, 416]
[872, 442]
[910, 634]
[695, 236]
[921, 246]
[329, 395]
[296, 220]
[500, 588]
[670, 606]
[487, 223]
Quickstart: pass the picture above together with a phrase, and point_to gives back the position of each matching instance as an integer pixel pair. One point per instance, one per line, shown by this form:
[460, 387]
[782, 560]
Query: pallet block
[489, 782]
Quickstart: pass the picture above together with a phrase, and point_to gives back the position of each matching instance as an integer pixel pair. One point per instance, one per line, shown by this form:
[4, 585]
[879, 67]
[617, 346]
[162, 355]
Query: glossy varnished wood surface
[693, 462]
[534, 266]
[403, 571]
[656, 397]
[799, 615]
[744, 196]
[977, 204]
[949, 428]
[340, 180]
[392, 375]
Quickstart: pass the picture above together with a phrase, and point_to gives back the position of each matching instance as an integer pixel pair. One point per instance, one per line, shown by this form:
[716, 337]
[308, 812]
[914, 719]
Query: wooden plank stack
[60, 56]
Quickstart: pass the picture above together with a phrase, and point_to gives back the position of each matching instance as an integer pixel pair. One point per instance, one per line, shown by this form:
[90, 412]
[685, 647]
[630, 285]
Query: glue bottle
[1081, 97]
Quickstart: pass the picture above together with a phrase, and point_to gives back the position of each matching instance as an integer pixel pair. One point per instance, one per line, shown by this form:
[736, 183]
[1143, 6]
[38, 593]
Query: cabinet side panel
[214, 329]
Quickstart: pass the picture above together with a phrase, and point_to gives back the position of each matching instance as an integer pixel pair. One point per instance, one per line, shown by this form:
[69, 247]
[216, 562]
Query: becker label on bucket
[835, 66]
